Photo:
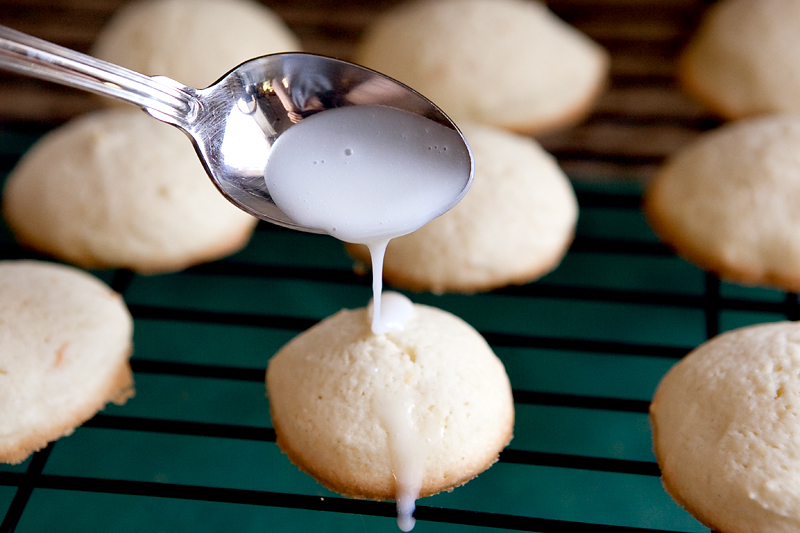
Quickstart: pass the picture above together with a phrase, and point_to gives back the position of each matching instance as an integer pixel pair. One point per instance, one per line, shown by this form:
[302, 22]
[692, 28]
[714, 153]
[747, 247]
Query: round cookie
[725, 425]
[65, 339]
[742, 61]
[729, 202]
[344, 400]
[513, 226]
[509, 63]
[194, 42]
[119, 189]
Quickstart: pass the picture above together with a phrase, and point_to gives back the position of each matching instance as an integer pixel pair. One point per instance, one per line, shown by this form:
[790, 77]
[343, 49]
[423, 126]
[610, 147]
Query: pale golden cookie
[119, 189]
[730, 202]
[743, 59]
[194, 42]
[337, 392]
[513, 226]
[725, 426]
[509, 63]
[65, 340]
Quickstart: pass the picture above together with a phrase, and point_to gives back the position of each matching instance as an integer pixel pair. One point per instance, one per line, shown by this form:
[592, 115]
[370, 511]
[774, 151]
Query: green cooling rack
[584, 347]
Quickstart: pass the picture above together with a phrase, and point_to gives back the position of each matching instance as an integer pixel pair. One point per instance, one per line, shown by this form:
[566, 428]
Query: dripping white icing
[366, 174]
[407, 449]
[377, 251]
[395, 310]
[407, 437]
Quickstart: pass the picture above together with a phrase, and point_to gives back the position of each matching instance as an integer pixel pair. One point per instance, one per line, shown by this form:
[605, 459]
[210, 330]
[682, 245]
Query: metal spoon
[234, 122]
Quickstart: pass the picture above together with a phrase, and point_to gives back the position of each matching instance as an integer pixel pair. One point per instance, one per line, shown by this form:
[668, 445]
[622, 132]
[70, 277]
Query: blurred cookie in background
[725, 430]
[513, 226]
[508, 63]
[743, 59]
[119, 189]
[194, 42]
[730, 202]
[395, 416]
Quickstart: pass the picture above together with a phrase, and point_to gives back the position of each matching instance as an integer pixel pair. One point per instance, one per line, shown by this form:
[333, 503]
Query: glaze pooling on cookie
[395, 310]
[408, 448]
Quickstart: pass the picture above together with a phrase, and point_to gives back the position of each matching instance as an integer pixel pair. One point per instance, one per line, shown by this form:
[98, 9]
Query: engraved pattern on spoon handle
[165, 99]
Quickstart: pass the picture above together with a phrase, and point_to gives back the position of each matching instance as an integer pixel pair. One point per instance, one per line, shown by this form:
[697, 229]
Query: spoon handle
[163, 98]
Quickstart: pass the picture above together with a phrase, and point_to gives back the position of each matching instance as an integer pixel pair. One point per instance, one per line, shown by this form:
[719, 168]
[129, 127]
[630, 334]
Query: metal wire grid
[711, 303]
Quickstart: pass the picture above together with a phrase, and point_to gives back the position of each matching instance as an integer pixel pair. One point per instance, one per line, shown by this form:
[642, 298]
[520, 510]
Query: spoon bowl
[247, 110]
[234, 123]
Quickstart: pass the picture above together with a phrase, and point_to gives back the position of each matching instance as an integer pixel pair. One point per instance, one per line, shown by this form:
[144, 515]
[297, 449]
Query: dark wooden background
[643, 117]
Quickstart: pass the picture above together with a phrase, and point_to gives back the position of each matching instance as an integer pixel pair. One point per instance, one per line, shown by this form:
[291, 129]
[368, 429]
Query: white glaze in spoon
[366, 174]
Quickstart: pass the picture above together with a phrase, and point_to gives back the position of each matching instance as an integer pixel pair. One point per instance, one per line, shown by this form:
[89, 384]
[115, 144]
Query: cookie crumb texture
[65, 340]
[725, 424]
[331, 387]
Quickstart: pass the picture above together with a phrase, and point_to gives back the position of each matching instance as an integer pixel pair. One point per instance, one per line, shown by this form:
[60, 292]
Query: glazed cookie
[513, 226]
[65, 339]
[742, 60]
[194, 42]
[729, 202]
[430, 406]
[119, 189]
[725, 429]
[509, 63]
